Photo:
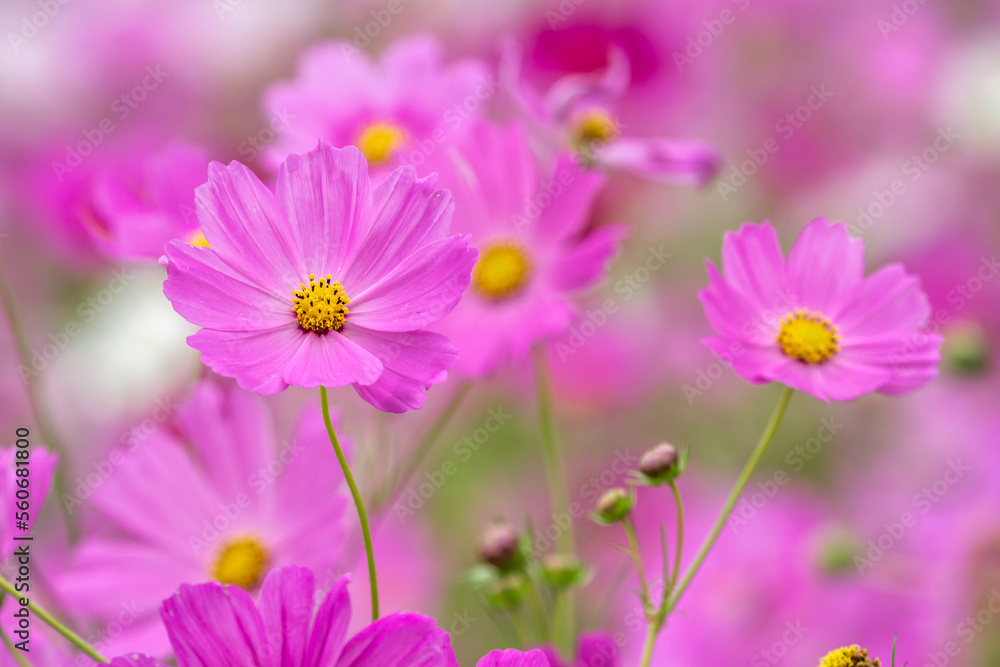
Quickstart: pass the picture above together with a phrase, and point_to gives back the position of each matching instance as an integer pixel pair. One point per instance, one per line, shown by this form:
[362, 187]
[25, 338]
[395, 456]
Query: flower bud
[661, 464]
[965, 350]
[613, 506]
[500, 546]
[849, 656]
[563, 571]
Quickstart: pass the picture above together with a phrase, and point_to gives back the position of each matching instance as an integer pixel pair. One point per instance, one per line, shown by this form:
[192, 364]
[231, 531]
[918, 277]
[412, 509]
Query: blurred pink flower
[134, 210]
[234, 508]
[398, 111]
[272, 290]
[529, 228]
[210, 624]
[40, 468]
[816, 323]
[578, 113]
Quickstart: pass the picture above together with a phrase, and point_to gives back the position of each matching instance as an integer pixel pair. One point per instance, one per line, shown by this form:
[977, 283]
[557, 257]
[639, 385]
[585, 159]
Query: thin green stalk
[45, 429]
[74, 638]
[358, 501]
[422, 449]
[679, 547]
[633, 543]
[734, 496]
[555, 471]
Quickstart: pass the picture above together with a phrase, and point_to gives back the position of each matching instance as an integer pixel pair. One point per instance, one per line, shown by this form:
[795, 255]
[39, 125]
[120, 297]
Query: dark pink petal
[326, 197]
[207, 292]
[326, 641]
[409, 213]
[512, 658]
[399, 640]
[244, 224]
[331, 360]
[586, 263]
[887, 305]
[136, 660]
[598, 648]
[211, 625]
[286, 605]
[232, 433]
[419, 291]
[753, 264]
[255, 359]
[825, 265]
[413, 362]
[668, 160]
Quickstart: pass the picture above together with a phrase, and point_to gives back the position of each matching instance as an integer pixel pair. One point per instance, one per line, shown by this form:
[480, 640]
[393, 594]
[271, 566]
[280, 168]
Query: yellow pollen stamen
[379, 141]
[501, 270]
[321, 306]
[849, 656]
[241, 562]
[593, 126]
[198, 240]
[808, 337]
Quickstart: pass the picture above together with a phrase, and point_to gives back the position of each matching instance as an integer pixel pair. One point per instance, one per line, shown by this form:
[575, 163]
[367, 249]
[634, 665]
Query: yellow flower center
[198, 240]
[501, 270]
[593, 126]
[241, 562]
[321, 306]
[379, 141]
[849, 656]
[808, 337]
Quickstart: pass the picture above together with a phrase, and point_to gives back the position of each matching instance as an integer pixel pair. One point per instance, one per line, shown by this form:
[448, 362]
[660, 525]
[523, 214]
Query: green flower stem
[563, 623]
[679, 546]
[358, 501]
[422, 449]
[45, 428]
[74, 638]
[734, 496]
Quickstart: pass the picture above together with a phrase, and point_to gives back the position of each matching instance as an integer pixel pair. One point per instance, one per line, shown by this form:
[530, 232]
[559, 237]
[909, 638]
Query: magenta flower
[533, 252]
[512, 658]
[235, 508]
[815, 323]
[578, 113]
[41, 469]
[211, 624]
[398, 111]
[135, 209]
[323, 282]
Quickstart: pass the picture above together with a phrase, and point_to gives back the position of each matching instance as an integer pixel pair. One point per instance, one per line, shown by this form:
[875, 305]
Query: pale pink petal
[825, 265]
[587, 262]
[888, 304]
[753, 264]
[668, 160]
[255, 359]
[331, 360]
[565, 201]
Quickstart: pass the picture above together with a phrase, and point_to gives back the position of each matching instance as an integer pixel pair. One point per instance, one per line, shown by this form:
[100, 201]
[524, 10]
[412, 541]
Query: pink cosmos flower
[397, 111]
[815, 323]
[134, 210]
[533, 252]
[228, 510]
[322, 282]
[578, 113]
[211, 624]
[41, 467]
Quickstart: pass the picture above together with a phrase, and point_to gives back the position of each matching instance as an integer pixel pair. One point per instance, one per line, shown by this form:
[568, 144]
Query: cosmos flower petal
[399, 640]
[889, 303]
[674, 161]
[286, 605]
[205, 291]
[332, 360]
[413, 362]
[567, 211]
[326, 641]
[136, 660]
[419, 291]
[211, 625]
[753, 263]
[255, 359]
[513, 658]
[825, 265]
[732, 314]
[326, 197]
[587, 262]
[600, 88]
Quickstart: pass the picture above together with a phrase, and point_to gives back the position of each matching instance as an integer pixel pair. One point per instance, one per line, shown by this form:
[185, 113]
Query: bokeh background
[884, 114]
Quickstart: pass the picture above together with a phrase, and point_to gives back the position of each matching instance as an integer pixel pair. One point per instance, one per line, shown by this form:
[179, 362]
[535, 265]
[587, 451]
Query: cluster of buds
[659, 465]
